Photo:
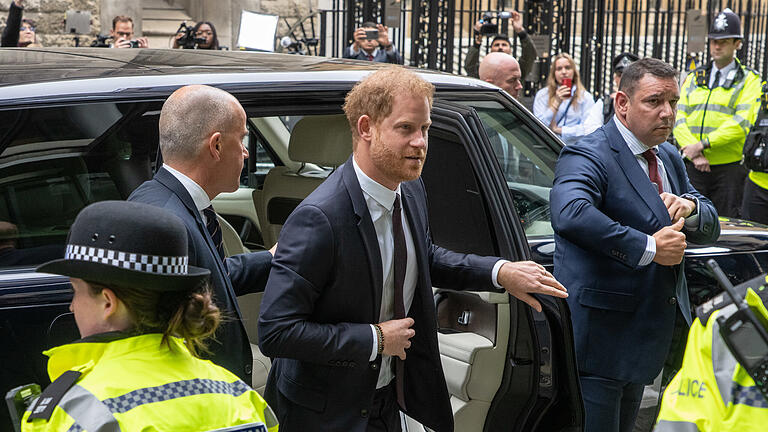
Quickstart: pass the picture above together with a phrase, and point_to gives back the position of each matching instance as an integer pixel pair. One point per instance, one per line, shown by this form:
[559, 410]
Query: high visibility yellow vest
[712, 392]
[723, 115]
[134, 383]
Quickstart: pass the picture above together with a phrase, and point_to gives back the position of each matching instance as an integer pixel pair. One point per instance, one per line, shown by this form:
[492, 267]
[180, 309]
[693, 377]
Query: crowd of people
[624, 205]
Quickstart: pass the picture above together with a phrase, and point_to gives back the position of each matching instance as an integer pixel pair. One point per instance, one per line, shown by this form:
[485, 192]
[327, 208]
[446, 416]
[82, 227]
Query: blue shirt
[571, 116]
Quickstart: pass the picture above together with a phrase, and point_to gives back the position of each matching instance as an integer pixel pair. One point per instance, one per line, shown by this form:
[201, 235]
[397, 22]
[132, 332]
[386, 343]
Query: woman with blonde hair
[564, 104]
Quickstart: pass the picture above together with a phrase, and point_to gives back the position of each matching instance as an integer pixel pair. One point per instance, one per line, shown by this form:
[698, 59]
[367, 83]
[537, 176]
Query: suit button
[345, 363]
[374, 366]
[364, 412]
[672, 301]
[248, 369]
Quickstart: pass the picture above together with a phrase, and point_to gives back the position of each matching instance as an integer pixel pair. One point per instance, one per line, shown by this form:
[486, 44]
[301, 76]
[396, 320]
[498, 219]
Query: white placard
[257, 31]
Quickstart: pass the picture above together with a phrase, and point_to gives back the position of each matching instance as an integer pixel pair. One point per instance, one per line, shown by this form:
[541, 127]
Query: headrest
[321, 139]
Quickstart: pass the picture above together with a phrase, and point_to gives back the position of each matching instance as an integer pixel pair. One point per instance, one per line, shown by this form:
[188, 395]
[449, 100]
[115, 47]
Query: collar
[724, 71]
[195, 190]
[84, 354]
[380, 193]
[634, 144]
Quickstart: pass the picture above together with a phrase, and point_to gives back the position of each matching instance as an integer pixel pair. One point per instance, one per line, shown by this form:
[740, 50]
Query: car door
[507, 366]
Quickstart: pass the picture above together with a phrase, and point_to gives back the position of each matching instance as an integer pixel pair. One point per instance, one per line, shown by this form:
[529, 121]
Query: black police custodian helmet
[130, 245]
[726, 25]
[621, 61]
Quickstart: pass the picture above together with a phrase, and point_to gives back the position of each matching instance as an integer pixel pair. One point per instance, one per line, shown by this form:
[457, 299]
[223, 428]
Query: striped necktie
[214, 229]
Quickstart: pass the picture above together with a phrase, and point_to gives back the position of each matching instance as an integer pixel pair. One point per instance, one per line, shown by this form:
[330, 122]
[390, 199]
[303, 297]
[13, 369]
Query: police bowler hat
[621, 61]
[130, 245]
[726, 25]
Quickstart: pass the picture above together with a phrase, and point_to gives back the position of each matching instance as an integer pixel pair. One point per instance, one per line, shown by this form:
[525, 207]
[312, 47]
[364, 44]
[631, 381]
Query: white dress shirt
[380, 200]
[723, 73]
[637, 148]
[197, 193]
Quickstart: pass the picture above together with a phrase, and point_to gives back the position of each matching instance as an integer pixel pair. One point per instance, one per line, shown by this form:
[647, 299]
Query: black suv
[80, 125]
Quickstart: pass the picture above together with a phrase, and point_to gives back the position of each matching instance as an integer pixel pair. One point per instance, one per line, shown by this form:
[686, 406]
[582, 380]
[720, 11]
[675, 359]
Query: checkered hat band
[164, 265]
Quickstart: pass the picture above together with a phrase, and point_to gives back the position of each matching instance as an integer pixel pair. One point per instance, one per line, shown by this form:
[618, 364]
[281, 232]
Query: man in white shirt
[201, 140]
[350, 292]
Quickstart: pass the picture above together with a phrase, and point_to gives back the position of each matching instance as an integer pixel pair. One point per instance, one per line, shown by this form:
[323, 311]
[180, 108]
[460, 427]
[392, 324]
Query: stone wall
[50, 17]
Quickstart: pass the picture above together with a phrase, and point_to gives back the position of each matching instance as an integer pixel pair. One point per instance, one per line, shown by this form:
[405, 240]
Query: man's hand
[143, 42]
[122, 43]
[517, 21]
[676, 206]
[384, 42]
[670, 244]
[359, 37]
[19, 3]
[693, 151]
[397, 336]
[523, 278]
[701, 163]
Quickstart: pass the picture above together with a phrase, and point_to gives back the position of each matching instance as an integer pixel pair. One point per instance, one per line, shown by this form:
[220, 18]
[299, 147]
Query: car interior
[104, 152]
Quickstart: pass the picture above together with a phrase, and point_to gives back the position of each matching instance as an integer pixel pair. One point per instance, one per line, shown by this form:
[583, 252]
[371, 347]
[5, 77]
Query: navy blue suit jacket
[323, 293]
[603, 205]
[237, 275]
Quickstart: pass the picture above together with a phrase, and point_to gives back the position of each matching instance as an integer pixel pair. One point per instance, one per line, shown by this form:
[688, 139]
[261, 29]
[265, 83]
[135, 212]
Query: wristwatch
[693, 198]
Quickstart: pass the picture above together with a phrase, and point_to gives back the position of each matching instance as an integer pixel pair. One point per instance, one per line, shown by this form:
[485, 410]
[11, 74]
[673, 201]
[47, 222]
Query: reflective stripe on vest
[723, 362]
[92, 414]
[675, 426]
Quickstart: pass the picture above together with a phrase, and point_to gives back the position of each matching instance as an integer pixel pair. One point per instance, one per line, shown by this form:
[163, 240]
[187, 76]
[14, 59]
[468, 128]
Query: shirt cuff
[650, 252]
[352, 50]
[495, 273]
[692, 222]
[375, 350]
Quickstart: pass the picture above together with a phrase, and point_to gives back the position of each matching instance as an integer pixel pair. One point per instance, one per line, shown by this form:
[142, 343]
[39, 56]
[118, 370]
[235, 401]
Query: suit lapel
[367, 233]
[168, 180]
[417, 235]
[669, 168]
[637, 178]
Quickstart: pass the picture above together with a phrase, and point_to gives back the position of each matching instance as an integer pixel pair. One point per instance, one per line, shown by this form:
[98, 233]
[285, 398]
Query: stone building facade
[50, 15]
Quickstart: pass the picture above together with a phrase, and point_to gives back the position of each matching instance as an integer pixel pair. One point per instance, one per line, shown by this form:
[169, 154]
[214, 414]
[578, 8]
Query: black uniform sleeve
[11, 32]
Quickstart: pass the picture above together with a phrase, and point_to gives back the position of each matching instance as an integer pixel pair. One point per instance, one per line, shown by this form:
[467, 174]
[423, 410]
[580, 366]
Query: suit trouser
[755, 204]
[610, 405]
[385, 413]
[723, 185]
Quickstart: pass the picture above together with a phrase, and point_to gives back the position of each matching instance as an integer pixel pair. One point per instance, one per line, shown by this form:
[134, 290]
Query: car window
[527, 162]
[55, 161]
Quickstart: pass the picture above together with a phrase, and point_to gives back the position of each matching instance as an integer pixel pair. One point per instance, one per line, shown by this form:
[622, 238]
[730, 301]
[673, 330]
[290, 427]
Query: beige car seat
[323, 140]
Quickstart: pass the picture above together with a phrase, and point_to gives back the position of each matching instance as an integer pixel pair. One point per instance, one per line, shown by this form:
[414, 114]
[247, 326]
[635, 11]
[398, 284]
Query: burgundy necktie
[399, 258]
[653, 169]
[370, 57]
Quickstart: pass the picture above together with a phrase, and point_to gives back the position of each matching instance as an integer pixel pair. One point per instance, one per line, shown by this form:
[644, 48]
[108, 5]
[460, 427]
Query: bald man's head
[503, 71]
[190, 115]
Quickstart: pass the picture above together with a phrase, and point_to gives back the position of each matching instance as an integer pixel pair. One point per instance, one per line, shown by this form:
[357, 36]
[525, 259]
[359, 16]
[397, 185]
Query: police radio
[744, 333]
[755, 155]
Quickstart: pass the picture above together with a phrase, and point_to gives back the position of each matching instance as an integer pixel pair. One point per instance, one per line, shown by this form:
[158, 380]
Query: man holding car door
[372, 43]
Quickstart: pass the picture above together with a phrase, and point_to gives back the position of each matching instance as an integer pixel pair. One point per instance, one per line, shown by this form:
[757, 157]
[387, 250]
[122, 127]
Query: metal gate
[436, 34]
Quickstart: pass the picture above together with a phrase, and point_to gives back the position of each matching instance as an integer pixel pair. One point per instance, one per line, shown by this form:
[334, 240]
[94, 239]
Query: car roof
[31, 74]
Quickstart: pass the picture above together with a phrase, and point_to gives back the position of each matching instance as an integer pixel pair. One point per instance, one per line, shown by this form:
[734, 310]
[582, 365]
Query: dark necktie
[653, 169]
[370, 57]
[399, 258]
[716, 82]
[214, 229]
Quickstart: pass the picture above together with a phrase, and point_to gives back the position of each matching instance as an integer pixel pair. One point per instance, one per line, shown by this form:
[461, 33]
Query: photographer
[19, 32]
[372, 43]
[501, 43]
[122, 33]
[202, 36]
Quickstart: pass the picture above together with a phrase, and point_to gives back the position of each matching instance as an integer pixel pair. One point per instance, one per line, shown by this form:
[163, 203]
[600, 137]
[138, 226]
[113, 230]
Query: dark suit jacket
[238, 275]
[603, 205]
[382, 56]
[323, 293]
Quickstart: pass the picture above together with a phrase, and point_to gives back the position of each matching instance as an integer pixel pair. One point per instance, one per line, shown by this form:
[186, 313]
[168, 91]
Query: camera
[133, 43]
[488, 26]
[189, 39]
[372, 34]
[101, 41]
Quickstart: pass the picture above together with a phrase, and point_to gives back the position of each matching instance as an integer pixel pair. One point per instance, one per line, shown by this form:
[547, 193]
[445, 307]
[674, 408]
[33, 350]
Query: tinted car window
[55, 161]
[527, 162]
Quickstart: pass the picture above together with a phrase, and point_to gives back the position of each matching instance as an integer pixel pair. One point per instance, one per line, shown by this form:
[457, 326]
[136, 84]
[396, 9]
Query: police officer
[143, 314]
[717, 107]
[712, 392]
[620, 62]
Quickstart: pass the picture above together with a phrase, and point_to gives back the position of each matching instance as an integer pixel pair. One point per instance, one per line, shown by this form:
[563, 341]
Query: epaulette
[758, 284]
[50, 397]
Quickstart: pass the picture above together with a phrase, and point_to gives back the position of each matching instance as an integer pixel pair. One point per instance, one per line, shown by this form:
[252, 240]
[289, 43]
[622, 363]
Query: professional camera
[101, 41]
[488, 26]
[755, 155]
[189, 40]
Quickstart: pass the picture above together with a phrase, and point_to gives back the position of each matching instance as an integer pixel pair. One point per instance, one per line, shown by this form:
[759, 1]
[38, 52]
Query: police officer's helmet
[726, 25]
[621, 61]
